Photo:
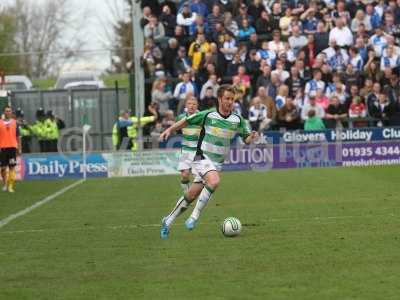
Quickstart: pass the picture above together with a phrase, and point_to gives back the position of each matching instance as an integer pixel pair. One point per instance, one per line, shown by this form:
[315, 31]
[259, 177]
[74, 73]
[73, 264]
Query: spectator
[230, 24]
[356, 60]
[199, 7]
[186, 18]
[258, 115]
[276, 44]
[266, 54]
[160, 96]
[294, 82]
[146, 16]
[263, 24]
[197, 50]
[154, 30]
[313, 122]
[183, 89]
[321, 99]
[358, 110]
[321, 38]
[382, 110]
[169, 55]
[289, 116]
[209, 100]
[168, 20]
[280, 99]
[180, 36]
[240, 105]
[211, 83]
[296, 40]
[276, 15]
[359, 19]
[336, 113]
[182, 63]
[378, 41]
[284, 23]
[373, 17]
[272, 88]
[280, 71]
[371, 68]
[168, 119]
[310, 53]
[256, 8]
[243, 15]
[264, 79]
[215, 17]
[151, 56]
[229, 48]
[245, 30]
[310, 22]
[244, 78]
[314, 84]
[373, 96]
[390, 59]
[312, 105]
[393, 89]
[341, 34]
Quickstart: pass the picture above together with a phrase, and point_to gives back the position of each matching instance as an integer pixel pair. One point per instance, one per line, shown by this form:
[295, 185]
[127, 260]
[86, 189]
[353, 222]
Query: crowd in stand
[294, 64]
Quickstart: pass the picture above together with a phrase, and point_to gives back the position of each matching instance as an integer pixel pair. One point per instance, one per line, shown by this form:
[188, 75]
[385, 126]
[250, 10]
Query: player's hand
[165, 135]
[19, 152]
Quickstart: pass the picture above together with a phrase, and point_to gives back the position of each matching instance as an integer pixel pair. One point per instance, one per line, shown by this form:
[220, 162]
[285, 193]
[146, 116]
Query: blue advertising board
[56, 166]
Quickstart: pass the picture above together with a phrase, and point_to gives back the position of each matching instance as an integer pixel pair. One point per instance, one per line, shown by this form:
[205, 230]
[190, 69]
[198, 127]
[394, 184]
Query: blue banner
[56, 166]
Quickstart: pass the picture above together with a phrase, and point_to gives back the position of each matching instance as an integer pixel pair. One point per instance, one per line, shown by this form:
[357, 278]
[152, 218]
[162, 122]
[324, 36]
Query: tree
[121, 37]
[48, 34]
[8, 45]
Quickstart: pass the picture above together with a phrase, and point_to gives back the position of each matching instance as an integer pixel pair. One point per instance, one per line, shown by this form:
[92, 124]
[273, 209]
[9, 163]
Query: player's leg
[185, 180]
[182, 204]
[212, 180]
[4, 178]
[12, 174]
[3, 169]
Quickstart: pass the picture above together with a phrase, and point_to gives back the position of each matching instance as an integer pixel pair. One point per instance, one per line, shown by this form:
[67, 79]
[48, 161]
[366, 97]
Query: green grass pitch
[308, 234]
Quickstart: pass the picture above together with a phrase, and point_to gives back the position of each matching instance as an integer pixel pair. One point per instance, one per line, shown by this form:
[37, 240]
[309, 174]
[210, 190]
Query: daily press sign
[57, 166]
[344, 135]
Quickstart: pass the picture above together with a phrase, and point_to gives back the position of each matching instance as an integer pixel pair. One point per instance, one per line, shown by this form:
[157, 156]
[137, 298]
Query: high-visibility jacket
[39, 130]
[131, 131]
[8, 134]
[51, 129]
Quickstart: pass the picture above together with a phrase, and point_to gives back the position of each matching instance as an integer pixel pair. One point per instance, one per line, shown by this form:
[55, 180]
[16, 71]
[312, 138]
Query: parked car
[16, 83]
[80, 79]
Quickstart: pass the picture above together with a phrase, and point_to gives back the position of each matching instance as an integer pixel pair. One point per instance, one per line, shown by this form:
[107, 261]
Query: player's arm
[175, 127]
[245, 132]
[19, 149]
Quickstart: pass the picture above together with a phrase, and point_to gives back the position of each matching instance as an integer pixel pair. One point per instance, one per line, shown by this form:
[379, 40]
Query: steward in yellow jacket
[124, 132]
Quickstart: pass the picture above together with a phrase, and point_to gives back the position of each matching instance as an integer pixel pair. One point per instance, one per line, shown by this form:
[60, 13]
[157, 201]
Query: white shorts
[185, 160]
[201, 167]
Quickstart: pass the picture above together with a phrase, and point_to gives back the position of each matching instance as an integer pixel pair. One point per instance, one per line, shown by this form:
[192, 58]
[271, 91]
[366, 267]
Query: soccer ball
[231, 227]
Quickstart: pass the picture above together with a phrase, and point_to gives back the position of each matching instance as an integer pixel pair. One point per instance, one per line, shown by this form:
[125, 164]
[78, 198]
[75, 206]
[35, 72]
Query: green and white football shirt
[217, 133]
[190, 135]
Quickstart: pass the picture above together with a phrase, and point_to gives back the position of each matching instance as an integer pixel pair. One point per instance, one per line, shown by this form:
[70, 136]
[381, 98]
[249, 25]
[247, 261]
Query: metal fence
[98, 108]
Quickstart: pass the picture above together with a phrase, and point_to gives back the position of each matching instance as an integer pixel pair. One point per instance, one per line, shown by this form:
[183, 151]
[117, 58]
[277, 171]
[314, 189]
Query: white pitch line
[137, 226]
[27, 210]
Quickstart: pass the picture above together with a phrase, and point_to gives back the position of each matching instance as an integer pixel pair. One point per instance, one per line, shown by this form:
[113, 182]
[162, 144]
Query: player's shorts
[8, 157]
[201, 167]
[185, 160]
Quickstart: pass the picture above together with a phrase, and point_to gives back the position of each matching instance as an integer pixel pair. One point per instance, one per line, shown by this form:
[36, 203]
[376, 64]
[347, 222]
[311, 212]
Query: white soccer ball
[231, 227]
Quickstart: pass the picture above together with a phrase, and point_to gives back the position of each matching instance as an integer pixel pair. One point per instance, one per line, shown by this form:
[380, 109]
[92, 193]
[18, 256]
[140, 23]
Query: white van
[17, 83]
[79, 79]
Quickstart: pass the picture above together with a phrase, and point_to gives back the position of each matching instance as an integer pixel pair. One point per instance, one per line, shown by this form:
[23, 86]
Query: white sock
[179, 208]
[185, 185]
[202, 201]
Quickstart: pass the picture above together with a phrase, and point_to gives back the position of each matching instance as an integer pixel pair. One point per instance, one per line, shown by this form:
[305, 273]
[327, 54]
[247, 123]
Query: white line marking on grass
[137, 226]
[27, 210]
